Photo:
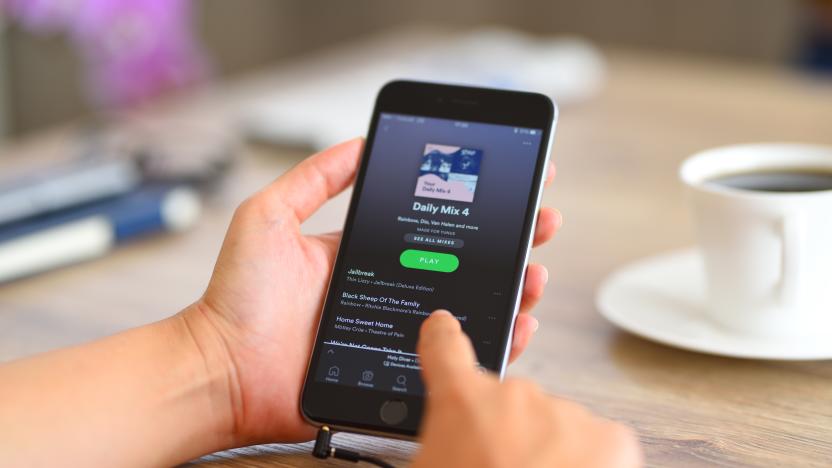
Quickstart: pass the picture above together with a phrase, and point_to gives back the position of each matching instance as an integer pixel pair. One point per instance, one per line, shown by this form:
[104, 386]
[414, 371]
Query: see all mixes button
[432, 261]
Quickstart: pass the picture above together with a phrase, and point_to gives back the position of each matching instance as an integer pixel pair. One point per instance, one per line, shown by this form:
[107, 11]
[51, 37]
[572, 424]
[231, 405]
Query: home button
[393, 412]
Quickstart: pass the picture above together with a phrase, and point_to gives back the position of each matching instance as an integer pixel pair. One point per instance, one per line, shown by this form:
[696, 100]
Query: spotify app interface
[438, 225]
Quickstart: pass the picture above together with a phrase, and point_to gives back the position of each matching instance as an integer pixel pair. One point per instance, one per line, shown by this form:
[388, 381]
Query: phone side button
[393, 412]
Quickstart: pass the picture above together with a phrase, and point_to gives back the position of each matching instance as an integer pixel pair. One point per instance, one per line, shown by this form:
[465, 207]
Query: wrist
[215, 369]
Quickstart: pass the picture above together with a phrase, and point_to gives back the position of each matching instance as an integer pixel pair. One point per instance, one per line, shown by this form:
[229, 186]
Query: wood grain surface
[617, 157]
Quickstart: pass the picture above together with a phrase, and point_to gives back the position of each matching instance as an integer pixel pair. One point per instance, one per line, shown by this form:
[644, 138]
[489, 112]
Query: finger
[524, 328]
[550, 174]
[549, 221]
[330, 241]
[318, 178]
[331, 235]
[535, 284]
[445, 352]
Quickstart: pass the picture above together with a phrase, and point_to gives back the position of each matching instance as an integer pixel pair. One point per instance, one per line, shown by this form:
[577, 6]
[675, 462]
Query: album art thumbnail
[449, 172]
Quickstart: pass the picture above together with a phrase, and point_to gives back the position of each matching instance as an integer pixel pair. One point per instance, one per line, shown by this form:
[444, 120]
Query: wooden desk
[617, 157]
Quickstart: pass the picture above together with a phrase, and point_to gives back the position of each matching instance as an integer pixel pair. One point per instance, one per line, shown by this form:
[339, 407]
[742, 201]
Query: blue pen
[87, 232]
[68, 185]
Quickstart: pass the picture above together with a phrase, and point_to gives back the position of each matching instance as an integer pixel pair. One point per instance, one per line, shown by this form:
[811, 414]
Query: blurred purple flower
[133, 49]
[41, 16]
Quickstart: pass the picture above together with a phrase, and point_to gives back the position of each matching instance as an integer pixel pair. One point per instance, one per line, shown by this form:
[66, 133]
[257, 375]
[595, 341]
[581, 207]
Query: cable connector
[323, 449]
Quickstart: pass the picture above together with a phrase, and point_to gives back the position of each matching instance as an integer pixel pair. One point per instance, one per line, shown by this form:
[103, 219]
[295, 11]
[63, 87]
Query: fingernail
[559, 217]
[441, 312]
[545, 275]
[535, 324]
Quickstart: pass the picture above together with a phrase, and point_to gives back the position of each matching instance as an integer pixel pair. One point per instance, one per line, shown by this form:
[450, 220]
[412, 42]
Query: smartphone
[441, 216]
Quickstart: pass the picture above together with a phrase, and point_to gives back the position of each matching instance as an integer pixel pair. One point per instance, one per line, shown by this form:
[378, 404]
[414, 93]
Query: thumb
[445, 352]
[318, 178]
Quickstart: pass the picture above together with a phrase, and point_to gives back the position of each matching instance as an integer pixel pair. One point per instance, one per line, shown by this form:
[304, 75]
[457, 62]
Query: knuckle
[248, 207]
[621, 434]
[458, 394]
[458, 388]
[261, 207]
[622, 440]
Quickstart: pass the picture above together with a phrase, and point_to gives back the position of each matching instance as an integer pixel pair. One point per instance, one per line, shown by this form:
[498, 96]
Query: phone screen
[438, 223]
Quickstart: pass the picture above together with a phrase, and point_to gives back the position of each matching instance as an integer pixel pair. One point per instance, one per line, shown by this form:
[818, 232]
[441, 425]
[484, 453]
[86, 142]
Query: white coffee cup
[767, 255]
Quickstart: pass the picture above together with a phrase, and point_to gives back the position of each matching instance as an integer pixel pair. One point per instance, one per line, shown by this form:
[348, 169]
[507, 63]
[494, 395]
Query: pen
[27, 248]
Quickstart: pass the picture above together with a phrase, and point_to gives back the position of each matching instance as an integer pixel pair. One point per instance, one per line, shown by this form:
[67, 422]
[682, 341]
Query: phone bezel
[356, 409]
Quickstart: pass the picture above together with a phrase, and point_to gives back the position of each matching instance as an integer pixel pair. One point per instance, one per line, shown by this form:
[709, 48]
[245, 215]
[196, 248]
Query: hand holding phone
[256, 321]
[472, 419]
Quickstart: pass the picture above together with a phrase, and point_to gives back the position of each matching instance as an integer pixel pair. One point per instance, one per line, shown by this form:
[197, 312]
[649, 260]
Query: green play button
[426, 260]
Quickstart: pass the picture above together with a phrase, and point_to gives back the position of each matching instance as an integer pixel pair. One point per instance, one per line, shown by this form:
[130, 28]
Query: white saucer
[663, 299]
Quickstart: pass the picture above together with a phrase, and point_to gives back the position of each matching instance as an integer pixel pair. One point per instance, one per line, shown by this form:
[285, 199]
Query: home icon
[334, 371]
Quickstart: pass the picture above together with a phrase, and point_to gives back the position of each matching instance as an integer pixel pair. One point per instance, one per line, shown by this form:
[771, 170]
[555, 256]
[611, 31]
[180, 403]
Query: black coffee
[777, 180]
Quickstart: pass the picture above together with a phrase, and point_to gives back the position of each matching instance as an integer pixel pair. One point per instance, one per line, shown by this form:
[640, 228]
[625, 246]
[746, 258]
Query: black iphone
[442, 216]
